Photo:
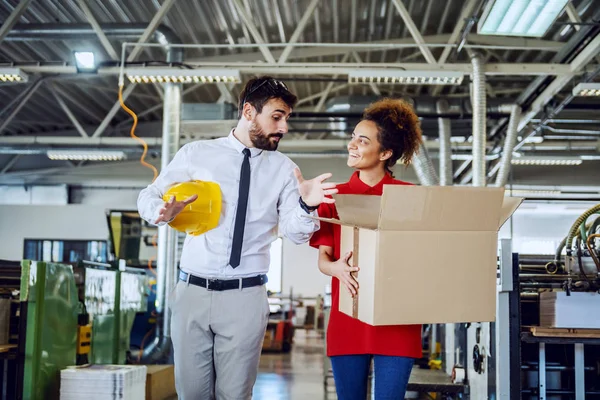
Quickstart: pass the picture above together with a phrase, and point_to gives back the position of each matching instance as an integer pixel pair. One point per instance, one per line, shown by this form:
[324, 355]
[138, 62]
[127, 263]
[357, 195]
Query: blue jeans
[351, 375]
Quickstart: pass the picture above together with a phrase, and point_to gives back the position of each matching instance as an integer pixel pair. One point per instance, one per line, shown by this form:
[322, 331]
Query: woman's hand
[343, 271]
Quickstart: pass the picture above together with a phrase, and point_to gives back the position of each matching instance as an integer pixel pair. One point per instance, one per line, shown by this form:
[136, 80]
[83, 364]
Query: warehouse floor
[294, 376]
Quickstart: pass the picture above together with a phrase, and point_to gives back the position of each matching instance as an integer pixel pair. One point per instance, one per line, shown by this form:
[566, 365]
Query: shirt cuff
[304, 217]
[157, 214]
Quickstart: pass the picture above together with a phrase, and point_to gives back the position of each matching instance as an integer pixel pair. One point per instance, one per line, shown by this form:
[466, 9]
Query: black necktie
[240, 216]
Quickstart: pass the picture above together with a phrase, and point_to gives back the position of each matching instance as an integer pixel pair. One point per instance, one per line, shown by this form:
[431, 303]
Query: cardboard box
[426, 254]
[160, 382]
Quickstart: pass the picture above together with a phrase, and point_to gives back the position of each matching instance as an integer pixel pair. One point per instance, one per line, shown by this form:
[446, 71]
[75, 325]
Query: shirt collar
[239, 146]
[359, 187]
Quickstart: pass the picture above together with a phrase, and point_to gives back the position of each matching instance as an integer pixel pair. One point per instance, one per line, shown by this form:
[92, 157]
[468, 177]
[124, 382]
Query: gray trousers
[217, 340]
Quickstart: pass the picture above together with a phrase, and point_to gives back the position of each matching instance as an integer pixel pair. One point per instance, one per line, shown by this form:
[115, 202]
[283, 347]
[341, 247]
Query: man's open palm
[171, 208]
[314, 191]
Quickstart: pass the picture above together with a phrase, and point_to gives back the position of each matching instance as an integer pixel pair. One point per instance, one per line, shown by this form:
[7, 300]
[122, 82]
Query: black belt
[223, 284]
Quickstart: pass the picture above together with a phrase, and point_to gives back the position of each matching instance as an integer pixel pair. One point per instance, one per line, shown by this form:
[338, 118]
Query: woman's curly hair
[399, 129]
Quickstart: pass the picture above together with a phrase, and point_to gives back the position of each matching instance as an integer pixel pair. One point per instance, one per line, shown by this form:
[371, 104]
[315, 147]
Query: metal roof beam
[67, 111]
[517, 69]
[253, 31]
[466, 12]
[13, 18]
[299, 29]
[579, 62]
[24, 99]
[414, 31]
[475, 41]
[152, 26]
[573, 15]
[10, 163]
[103, 39]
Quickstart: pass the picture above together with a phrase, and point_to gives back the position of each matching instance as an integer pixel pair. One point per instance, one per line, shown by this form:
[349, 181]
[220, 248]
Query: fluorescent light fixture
[532, 139]
[85, 61]
[530, 18]
[395, 76]
[546, 161]
[178, 75]
[525, 193]
[587, 89]
[13, 75]
[89, 155]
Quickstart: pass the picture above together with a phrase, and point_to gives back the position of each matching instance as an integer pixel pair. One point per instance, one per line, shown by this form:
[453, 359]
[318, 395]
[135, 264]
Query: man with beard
[219, 306]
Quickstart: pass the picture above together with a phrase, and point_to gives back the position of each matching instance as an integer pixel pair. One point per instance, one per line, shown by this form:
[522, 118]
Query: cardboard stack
[426, 254]
[579, 310]
[103, 382]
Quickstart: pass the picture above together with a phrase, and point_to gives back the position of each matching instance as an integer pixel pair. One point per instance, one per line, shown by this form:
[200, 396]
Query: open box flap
[358, 210]
[509, 206]
[440, 208]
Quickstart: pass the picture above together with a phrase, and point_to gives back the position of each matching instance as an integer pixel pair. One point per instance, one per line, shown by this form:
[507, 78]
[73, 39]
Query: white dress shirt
[272, 204]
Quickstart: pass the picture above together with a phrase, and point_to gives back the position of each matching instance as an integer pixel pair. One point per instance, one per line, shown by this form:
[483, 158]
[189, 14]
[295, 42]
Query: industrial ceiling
[313, 45]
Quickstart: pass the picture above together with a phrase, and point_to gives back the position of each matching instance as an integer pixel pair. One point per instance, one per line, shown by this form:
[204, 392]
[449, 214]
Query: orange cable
[132, 134]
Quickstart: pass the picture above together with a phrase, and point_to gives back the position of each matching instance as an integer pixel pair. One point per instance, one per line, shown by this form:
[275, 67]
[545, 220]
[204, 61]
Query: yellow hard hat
[201, 215]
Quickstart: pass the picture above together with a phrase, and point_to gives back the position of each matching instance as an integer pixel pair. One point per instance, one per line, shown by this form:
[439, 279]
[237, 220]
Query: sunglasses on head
[274, 86]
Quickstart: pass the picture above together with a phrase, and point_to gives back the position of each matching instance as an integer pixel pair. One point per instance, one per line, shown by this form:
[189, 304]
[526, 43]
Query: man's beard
[262, 140]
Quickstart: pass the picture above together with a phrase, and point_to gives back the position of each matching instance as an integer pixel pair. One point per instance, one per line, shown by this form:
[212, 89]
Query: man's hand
[171, 208]
[314, 191]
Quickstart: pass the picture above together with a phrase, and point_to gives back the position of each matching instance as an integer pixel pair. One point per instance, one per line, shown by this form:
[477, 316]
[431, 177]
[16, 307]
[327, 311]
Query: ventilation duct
[509, 145]
[478, 96]
[445, 145]
[424, 167]
[423, 105]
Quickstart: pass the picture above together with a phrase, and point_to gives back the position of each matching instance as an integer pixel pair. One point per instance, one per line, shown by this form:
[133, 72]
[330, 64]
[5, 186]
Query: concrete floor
[297, 375]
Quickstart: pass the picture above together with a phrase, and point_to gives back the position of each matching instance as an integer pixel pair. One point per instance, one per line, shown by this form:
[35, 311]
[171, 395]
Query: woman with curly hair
[389, 131]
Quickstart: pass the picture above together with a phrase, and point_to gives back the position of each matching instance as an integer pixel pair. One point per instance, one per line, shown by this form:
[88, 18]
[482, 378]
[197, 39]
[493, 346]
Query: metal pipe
[166, 262]
[445, 145]
[423, 105]
[509, 145]
[163, 35]
[478, 96]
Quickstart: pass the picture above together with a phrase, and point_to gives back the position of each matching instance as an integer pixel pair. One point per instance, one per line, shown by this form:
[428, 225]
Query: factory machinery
[545, 342]
[54, 315]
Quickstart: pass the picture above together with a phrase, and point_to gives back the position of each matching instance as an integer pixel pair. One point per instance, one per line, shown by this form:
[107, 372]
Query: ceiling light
[519, 17]
[85, 61]
[546, 161]
[394, 76]
[531, 139]
[88, 155]
[178, 75]
[587, 89]
[13, 75]
[525, 193]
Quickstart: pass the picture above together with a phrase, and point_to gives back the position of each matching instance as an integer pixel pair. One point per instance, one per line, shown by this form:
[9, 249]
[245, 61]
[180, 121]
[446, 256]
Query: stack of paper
[103, 382]
[579, 310]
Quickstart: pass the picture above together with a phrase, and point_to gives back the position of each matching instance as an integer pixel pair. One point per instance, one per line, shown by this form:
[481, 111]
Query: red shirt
[346, 335]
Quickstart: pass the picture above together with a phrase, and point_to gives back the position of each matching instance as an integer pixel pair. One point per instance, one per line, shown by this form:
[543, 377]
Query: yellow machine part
[203, 214]
[84, 339]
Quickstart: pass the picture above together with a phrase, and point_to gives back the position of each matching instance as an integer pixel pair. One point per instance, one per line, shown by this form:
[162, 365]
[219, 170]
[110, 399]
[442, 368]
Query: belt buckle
[213, 284]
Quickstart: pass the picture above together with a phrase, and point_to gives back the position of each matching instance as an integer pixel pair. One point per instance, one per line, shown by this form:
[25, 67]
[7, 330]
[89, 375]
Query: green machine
[52, 297]
[112, 298]
[49, 297]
